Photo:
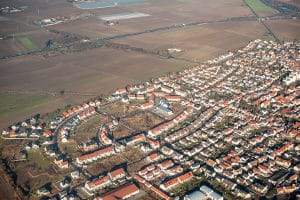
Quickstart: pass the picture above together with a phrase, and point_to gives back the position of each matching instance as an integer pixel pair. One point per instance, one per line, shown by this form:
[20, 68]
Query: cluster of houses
[156, 95]
[258, 99]
[154, 132]
[161, 175]
[59, 20]
[61, 163]
[220, 58]
[12, 9]
[262, 143]
[104, 135]
[176, 181]
[118, 178]
[153, 188]
[73, 117]
[238, 125]
[31, 127]
[104, 181]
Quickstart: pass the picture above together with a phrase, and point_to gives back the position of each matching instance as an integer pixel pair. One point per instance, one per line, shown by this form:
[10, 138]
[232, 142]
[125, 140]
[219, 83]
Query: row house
[136, 139]
[98, 183]
[125, 191]
[117, 174]
[87, 158]
[287, 189]
[104, 135]
[146, 105]
[176, 181]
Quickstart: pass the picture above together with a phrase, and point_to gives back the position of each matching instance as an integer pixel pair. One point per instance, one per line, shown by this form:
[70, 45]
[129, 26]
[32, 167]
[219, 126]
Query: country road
[262, 22]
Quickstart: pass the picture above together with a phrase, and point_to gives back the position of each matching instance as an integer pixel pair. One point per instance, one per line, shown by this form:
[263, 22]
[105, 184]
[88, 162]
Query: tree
[49, 43]
[164, 53]
[148, 120]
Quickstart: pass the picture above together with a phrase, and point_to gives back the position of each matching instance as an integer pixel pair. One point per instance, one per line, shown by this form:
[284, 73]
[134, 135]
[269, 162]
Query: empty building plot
[123, 16]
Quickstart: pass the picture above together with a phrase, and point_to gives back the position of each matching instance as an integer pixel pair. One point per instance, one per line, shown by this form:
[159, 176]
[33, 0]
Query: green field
[11, 104]
[38, 158]
[27, 43]
[257, 5]
[88, 129]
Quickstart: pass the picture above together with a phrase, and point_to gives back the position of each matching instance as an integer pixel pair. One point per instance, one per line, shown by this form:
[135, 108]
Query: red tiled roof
[153, 156]
[139, 136]
[160, 193]
[96, 153]
[185, 177]
[47, 133]
[296, 125]
[173, 97]
[159, 94]
[166, 164]
[294, 177]
[138, 178]
[171, 183]
[211, 162]
[176, 169]
[121, 192]
[150, 88]
[98, 182]
[143, 171]
[147, 105]
[153, 143]
[150, 167]
[116, 173]
[263, 168]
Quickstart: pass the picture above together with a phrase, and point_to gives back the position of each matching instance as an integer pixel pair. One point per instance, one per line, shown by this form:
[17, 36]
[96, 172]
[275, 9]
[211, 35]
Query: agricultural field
[13, 44]
[182, 12]
[28, 44]
[257, 5]
[286, 29]
[201, 42]
[39, 75]
[25, 41]
[260, 8]
[107, 3]
[293, 2]
[11, 104]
